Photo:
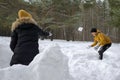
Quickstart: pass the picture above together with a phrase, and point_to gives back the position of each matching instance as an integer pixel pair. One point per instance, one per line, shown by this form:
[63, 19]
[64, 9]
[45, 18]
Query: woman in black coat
[24, 39]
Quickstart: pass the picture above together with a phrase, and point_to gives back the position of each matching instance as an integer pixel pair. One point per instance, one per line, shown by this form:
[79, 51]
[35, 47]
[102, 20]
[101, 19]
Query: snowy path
[83, 63]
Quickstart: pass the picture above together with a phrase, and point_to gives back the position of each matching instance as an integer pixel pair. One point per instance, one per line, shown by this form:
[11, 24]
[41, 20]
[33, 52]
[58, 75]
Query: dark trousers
[103, 49]
[15, 61]
[20, 60]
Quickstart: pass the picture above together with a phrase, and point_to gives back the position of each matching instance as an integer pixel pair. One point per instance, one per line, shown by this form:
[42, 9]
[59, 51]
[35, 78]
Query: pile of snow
[61, 62]
[85, 65]
[51, 64]
[5, 52]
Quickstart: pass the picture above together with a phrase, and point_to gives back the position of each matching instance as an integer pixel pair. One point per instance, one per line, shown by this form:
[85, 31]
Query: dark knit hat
[93, 30]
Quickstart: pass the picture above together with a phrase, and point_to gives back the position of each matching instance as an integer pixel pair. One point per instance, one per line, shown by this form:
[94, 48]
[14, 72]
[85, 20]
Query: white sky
[26, 0]
[96, 0]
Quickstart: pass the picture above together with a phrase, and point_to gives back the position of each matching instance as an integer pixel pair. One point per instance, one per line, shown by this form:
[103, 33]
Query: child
[24, 39]
[102, 40]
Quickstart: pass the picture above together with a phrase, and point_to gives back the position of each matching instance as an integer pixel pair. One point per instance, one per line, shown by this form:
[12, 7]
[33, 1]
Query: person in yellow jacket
[100, 40]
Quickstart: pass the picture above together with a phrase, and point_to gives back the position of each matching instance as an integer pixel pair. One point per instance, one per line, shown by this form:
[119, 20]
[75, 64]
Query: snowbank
[5, 52]
[85, 65]
[57, 62]
[51, 64]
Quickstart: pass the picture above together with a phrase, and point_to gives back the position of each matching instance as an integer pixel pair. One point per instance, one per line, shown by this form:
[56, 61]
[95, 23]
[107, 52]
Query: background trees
[63, 17]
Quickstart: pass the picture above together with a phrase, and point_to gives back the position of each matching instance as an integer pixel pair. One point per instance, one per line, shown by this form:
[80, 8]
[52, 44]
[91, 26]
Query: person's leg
[102, 50]
[101, 53]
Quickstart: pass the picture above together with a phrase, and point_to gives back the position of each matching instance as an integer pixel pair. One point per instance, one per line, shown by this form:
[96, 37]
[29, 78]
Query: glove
[96, 48]
[50, 34]
[89, 47]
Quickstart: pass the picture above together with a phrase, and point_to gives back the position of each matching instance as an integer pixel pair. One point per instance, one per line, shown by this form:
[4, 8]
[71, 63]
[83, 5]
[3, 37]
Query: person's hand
[50, 34]
[89, 47]
[96, 47]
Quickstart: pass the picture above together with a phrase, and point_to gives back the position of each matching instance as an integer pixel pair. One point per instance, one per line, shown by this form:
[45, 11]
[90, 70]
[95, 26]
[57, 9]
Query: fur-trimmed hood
[21, 21]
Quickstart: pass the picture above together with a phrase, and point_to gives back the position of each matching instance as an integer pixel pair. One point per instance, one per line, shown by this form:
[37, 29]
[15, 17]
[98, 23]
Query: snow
[5, 52]
[80, 29]
[62, 60]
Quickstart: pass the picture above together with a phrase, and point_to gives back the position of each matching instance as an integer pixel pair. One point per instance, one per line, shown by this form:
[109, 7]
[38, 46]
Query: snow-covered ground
[62, 60]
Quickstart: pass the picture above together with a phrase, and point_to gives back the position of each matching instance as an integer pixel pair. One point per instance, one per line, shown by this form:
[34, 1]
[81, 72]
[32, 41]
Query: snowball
[80, 29]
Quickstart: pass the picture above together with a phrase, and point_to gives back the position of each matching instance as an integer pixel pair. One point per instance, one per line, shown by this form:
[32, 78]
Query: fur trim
[21, 21]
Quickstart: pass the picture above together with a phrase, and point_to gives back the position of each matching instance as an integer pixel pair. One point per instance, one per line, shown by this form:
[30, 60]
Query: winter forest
[64, 17]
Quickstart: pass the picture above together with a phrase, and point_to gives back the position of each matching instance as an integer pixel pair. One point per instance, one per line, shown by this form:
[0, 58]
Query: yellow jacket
[101, 39]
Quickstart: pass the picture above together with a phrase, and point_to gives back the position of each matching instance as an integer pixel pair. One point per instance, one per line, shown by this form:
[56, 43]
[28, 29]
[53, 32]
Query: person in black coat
[24, 39]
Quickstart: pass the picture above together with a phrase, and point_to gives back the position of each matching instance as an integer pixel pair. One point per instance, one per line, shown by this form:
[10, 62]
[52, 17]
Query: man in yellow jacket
[101, 40]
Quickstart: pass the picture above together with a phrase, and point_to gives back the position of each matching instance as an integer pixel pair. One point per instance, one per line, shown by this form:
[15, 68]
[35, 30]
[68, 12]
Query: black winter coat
[24, 43]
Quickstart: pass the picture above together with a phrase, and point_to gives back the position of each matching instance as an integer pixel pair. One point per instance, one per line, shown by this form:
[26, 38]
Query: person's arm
[42, 33]
[94, 43]
[14, 39]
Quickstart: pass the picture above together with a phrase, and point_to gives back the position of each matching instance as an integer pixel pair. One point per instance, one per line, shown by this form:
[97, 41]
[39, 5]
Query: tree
[63, 17]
